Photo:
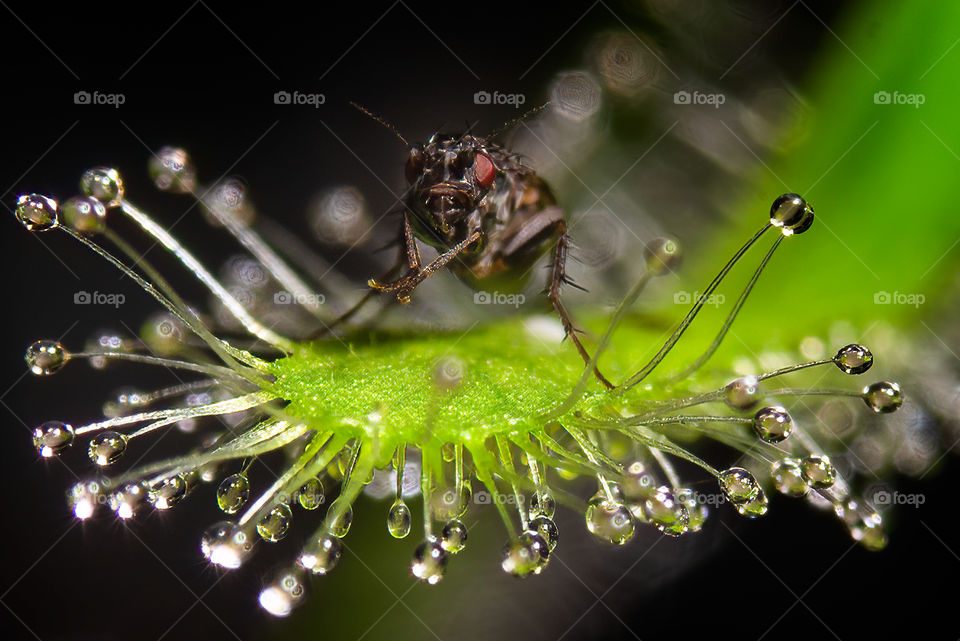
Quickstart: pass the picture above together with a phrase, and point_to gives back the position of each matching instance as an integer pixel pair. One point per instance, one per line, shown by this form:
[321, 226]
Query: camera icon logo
[283, 298]
[282, 98]
[82, 98]
[682, 298]
[82, 298]
[881, 98]
[482, 98]
[882, 298]
[682, 98]
[482, 298]
[481, 498]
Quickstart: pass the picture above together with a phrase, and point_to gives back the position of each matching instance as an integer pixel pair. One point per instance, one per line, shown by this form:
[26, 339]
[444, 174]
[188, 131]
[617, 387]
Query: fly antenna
[516, 121]
[383, 122]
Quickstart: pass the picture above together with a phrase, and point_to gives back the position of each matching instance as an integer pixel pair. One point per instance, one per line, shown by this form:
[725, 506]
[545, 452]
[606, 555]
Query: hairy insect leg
[417, 274]
[558, 277]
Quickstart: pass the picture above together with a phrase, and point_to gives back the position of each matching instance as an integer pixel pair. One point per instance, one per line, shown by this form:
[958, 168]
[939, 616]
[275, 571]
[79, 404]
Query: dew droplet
[83, 499]
[321, 554]
[429, 561]
[104, 184]
[665, 512]
[609, 521]
[792, 214]
[398, 519]
[527, 554]
[168, 492]
[772, 424]
[275, 524]
[45, 357]
[883, 397]
[697, 512]
[36, 212]
[310, 496]
[128, 499]
[84, 214]
[107, 447]
[52, 437]
[542, 503]
[341, 525]
[284, 593]
[171, 170]
[233, 492]
[755, 507]
[738, 485]
[818, 471]
[742, 393]
[453, 537]
[853, 359]
[547, 529]
[661, 256]
[788, 477]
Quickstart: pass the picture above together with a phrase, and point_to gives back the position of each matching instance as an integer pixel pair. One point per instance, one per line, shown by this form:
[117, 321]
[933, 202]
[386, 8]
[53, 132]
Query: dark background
[203, 76]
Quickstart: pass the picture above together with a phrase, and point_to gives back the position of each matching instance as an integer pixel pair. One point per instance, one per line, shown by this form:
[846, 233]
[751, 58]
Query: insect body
[489, 216]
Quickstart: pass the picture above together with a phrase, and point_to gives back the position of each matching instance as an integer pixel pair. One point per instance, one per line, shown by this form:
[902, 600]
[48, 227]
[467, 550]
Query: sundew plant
[688, 386]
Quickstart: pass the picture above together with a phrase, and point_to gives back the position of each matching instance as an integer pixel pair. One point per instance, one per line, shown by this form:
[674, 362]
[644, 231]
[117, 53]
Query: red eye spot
[483, 170]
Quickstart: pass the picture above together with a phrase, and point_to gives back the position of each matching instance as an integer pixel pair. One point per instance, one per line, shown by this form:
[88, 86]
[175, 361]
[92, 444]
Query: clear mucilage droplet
[275, 524]
[661, 256]
[126, 501]
[609, 521]
[453, 537]
[45, 357]
[310, 496]
[883, 397]
[742, 393]
[84, 214]
[526, 555]
[398, 520]
[341, 525]
[429, 561]
[83, 499]
[818, 471]
[168, 492]
[792, 214]
[106, 448]
[697, 512]
[284, 593]
[772, 424]
[104, 184]
[665, 512]
[233, 492]
[755, 507]
[52, 437]
[738, 485]
[788, 477]
[321, 554]
[37, 212]
[225, 544]
[853, 359]
[542, 503]
[172, 170]
[547, 529]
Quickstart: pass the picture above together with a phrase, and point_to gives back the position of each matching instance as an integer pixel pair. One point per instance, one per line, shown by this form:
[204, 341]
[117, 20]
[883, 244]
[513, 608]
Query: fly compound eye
[414, 166]
[483, 170]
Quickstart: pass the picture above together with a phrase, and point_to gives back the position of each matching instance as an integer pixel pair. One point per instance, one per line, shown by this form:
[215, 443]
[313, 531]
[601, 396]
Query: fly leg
[558, 277]
[418, 273]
